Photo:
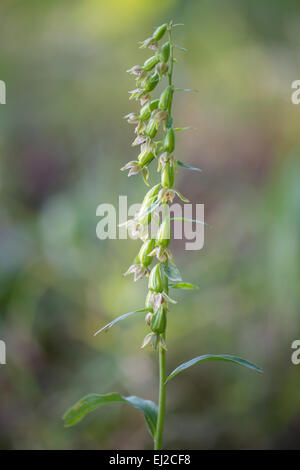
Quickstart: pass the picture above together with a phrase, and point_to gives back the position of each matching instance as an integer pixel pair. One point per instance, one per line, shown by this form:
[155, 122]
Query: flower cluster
[153, 119]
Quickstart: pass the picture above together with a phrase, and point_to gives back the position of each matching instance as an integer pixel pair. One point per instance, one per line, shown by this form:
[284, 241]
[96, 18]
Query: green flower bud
[163, 236]
[147, 109]
[150, 82]
[145, 157]
[154, 105]
[165, 52]
[169, 140]
[151, 128]
[155, 279]
[160, 31]
[146, 248]
[166, 98]
[151, 63]
[146, 204]
[167, 175]
[151, 193]
[159, 321]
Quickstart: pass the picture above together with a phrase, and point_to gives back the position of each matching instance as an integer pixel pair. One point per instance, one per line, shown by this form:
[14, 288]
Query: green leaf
[172, 273]
[214, 357]
[180, 48]
[122, 317]
[183, 198]
[184, 219]
[188, 167]
[184, 285]
[94, 400]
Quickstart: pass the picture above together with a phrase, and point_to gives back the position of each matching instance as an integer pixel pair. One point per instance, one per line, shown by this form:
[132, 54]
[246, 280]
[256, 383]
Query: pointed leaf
[122, 317]
[183, 198]
[172, 273]
[93, 401]
[188, 167]
[214, 357]
[184, 219]
[184, 285]
[180, 48]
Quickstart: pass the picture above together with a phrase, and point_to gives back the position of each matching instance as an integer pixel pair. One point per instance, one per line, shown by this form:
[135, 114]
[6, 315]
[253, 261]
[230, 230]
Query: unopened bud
[151, 128]
[146, 156]
[169, 140]
[151, 63]
[155, 279]
[163, 236]
[168, 175]
[159, 321]
[143, 255]
[166, 98]
[151, 193]
[160, 31]
[147, 109]
[165, 52]
[150, 82]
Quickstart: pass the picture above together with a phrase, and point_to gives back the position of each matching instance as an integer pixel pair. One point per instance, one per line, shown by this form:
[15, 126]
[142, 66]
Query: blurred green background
[62, 141]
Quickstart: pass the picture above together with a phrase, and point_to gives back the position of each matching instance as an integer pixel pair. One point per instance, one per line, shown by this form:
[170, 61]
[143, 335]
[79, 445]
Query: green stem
[162, 352]
[162, 399]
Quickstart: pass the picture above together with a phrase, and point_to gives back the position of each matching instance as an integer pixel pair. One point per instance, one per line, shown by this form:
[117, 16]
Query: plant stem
[162, 351]
[162, 399]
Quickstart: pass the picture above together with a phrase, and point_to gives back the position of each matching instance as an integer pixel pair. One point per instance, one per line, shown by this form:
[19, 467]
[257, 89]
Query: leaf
[184, 199]
[186, 128]
[172, 273]
[94, 400]
[214, 357]
[184, 285]
[180, 48]
[188, 167]
[184, 219]
[122, 317]
[186, 89]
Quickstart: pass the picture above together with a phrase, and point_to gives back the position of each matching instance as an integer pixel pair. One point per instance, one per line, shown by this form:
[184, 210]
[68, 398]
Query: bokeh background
[63, 139]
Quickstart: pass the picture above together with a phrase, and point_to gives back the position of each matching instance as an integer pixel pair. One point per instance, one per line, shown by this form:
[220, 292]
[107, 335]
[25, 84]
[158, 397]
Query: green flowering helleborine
[154, 117]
